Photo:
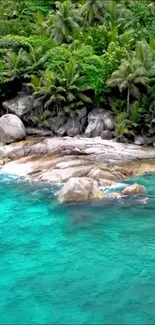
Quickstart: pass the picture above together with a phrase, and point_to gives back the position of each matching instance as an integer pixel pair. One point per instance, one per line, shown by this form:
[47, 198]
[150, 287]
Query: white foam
[107, 189]
[16, 169]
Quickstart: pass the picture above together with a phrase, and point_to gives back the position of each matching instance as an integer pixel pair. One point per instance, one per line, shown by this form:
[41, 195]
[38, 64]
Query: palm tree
[93, 10]
[75, 88]
[47, 89]
[146, 55]
[23, 64]
[63, 22]
[16, 64]
[37, 57]
[129, 76]
[117, 15]
[65, 90]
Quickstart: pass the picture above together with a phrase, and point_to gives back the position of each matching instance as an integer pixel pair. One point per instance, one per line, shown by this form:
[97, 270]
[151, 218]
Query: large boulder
[95, 123]
[98, 121]
[11, 128]
[134, 190]
[19, 105]
[80, 189]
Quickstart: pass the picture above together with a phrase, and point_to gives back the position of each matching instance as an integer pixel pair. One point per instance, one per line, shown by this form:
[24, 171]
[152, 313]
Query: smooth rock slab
[63, 175]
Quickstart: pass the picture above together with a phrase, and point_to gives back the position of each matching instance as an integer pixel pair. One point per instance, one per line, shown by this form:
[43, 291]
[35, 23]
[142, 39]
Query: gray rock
[121, 139]
[143, 140]
[19, 105]
[98, 121]
[150, 140]
[73, 127]
[11, 128]
[56, 124]
[81, 113]
[95, 123]
[139, 140]
[109, 121]
[83, 121]
[62, 130]
[107, 135]
[38, 132]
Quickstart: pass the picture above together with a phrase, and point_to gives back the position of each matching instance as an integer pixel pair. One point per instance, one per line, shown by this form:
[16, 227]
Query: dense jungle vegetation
[84, 53]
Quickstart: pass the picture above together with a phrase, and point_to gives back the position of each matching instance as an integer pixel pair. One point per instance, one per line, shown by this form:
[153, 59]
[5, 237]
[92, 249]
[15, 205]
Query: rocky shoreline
[56, 160]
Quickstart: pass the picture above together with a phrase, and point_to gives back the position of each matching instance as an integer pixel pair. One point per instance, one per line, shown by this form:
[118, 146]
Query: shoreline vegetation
[80, 67]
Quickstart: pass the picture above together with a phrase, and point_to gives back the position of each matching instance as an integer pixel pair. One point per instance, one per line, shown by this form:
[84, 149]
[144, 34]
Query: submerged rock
[11, 128]
[134, 189]
[144, 201]
[80, 189]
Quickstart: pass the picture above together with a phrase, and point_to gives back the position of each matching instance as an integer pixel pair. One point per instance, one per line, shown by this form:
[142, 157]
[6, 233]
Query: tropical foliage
[82, 53]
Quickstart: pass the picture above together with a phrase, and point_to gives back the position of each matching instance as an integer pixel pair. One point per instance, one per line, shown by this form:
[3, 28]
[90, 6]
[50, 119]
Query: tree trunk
[128, 102]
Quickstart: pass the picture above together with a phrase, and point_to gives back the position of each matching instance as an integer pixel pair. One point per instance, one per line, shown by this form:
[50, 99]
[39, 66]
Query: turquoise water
[90, 263]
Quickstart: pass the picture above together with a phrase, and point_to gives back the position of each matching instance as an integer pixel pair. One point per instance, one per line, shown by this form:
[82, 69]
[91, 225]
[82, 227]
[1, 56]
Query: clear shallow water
[90, 263]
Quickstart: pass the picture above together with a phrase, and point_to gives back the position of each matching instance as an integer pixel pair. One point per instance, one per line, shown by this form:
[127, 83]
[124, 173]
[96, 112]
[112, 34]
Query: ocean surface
[91, 263]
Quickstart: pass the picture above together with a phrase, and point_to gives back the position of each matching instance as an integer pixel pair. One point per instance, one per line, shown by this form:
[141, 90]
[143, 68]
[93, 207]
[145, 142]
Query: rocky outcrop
[19, 105]
[80, 189]
[134, 190]
[58, 159]
[98, 121]
[11, 128]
